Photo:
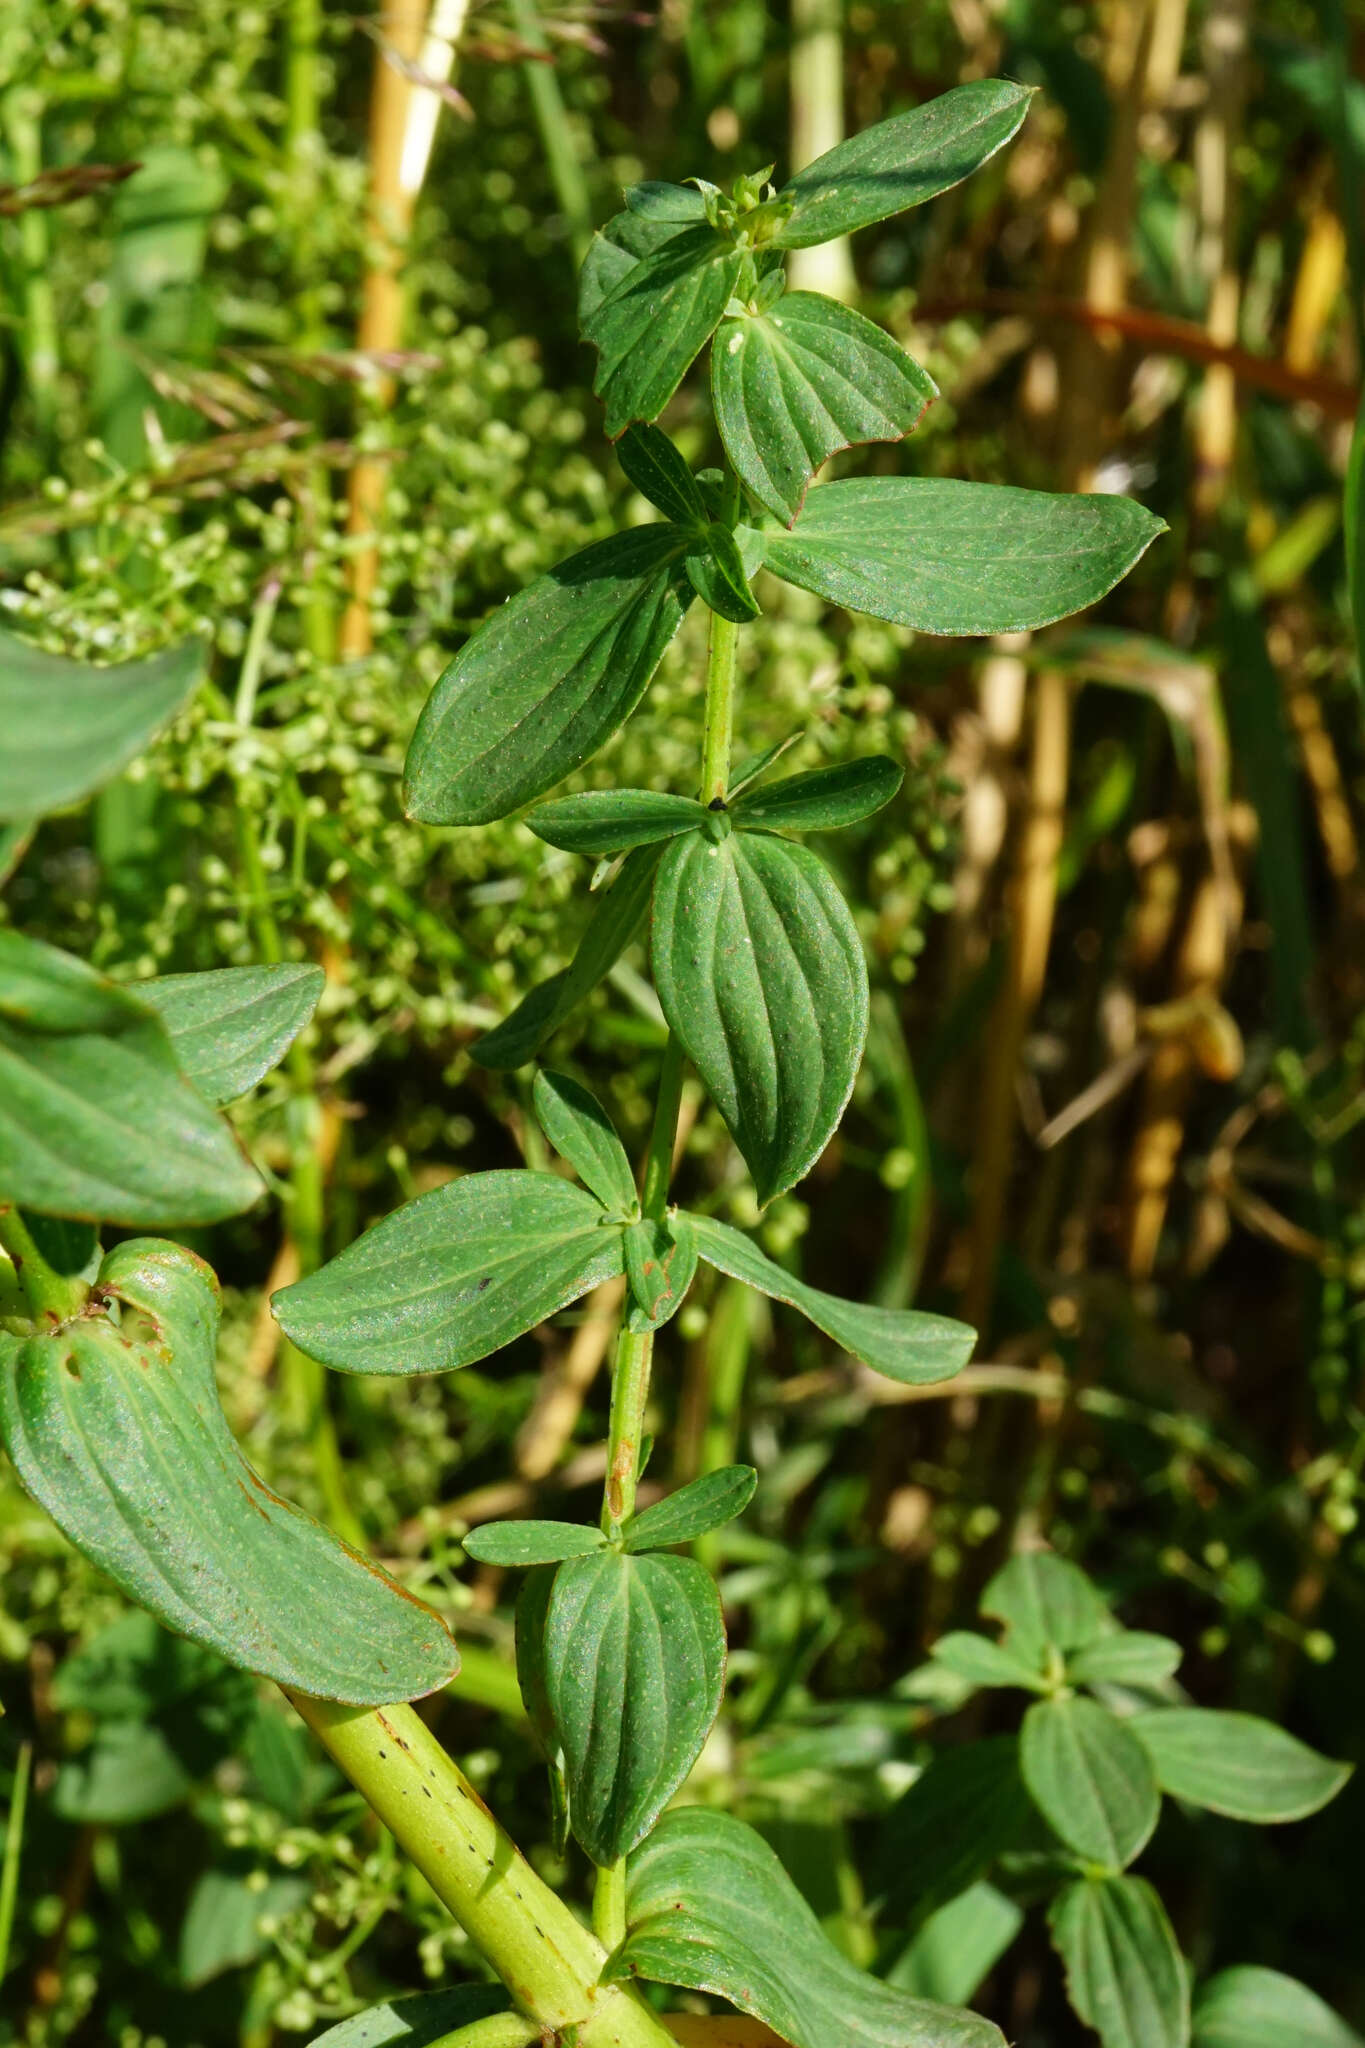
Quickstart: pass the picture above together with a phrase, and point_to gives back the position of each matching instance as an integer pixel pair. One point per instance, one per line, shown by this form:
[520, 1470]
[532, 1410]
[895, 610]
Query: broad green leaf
[1045, 1603]
[716, 570]
[425, 2019]
[634, 1672]
[710, 1908]
[1127, 1657]
[901, 162]
[952, 557]
[132, 1669]
[655, 319]
[1125, 1976]
[581, 1131]
[616, 249]
[97, 1122]
[547, 679]
[1236, 1764]
[532, 1543]
[453, 1276]
[794, 385]
[116, 1429]
[656, 468]
[915, 1348]
[702, 1505]
[822, 797]
[958, 1946]
[129, 1773]
[617, 916]
[661, 1263]
[1251, 2007]
[1090, 1778]
[760, 971]
[982, 1662]
[222, 1925]
[966, 1808]
[601, 821]
[69, 727]
[230, 1026]
[654, 200]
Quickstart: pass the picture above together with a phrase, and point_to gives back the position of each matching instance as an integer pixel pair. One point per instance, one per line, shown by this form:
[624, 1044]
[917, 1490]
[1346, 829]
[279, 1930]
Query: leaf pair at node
[693, 1510]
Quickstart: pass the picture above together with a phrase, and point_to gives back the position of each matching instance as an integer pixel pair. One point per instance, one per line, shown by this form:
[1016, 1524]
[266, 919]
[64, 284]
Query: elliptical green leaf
[581, 1131]
[1125, 1975]
[602, 821]
[823, 797]
[230, 1026]
[657, 315]
[1090, 1778]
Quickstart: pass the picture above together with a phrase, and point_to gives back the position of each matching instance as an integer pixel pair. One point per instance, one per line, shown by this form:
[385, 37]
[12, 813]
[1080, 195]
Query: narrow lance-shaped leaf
[905, 1344]
[656, 468]
[547, 679]
[822, 797]
[1236, 1764]
[581, 1131]
[710, 1908]
[695, 1509]
[532, 1543]
[453, 1276]
[1251, 2007]
[230, 1026]
[655, 319]
[116, 1429]
[717, 572]
[760, 971]
[1125, 1976]
[1090, 1778]
[951, 557]
[794, 385]
[601, 821]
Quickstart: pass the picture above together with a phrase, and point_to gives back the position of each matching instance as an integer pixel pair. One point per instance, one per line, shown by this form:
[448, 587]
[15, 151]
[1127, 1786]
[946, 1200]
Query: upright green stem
[663, 1135]
[720, 684]
[14, 1845]
[629, 1392]
[50, 1295]
[24, 134]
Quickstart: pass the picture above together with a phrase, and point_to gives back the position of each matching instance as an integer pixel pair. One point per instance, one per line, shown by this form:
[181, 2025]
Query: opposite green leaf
[1045, 1603]
[1251, 2007]
[1090, 1779]
[709, 1907]
[634, 1670]
[116, 1429]
[906, 1345]
[966, 1808]
[657, 470]
[97, 1122]
[453, 1276]
[695, 1509]
[760, 971]
[901, 162]
[602, 821]
[424, 2020]
[69, 727]
[822, 797]
[716, 570]
[794, 385]
[547, 679]
[230, 1026]
[952, 557]
[582, 1133]
[661, 1263]
[958, 1946]
[1125, 1976]
[982, 1662]
[655, 319]
[1236, 1764]
[532, 1543]
[615, 250]
[1127, 1657]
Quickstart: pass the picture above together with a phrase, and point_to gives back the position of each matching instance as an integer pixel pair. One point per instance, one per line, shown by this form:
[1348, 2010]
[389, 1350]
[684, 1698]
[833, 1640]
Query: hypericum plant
[106, 1365]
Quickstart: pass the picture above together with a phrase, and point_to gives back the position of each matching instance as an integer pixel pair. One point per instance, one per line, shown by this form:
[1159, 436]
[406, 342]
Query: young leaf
[982, 1662]
[661, 1262]
[655, 319]
[958, 1946]
[906, 1345]
[657, 470]
[1236, 1764]
[1045, 1603]
[794, 385]
[1127, 1657]
[822, 797]
[116, 1429]
[695, 1509]
[710, 1908]
[581, 1131]
[966, 1808]
[952, 557]
[716, 570]
[1090, 1779]
[901, 162]
[547, 679]
[230, 1026]
[601, 821]
[453, 1276]
[69, 727]
[653, 200]
[97, 1122]
[1251, 2007]
[634, 1671]
[1125, 1976]
[617, 917]
[532, 1543]
[424, 2019]
[760, 971]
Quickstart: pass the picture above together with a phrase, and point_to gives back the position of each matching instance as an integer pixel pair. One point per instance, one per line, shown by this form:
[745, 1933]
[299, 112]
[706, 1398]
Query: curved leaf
[1127, 1657]
[1236, 1764]
[1251, 2007]
[661, 1264]
[615, 250]
[952, 557]
[905, 1344]
[69, 727]
[717, 571]
[116, 1429]
[547, 679]
[653, 464]
[423, 2020]
[695, 1509]
[230, 1026]
[794, 385]
[1090, 1779]
[1046, 1603]
[634, 1669]
[984, 1663]
[601, 821]
[581, 1131]
[760, 971]
[453, 1276]
[959, 1945]
[1125, 1976]
[532, 1543]
[822, 797]
[709, 1907]
[657, 315]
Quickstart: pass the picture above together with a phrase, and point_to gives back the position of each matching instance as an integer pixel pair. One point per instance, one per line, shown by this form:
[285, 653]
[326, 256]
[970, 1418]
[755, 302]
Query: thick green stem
[629, 1392]
[50, 1295]
[609, 1904]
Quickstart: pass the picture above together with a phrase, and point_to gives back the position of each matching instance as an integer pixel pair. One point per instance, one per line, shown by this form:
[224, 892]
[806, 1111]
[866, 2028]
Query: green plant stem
[14, 1846]
[47, 1293]
[629, 1392]
[609, 1904]
[663, 1135]
[42, 357]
